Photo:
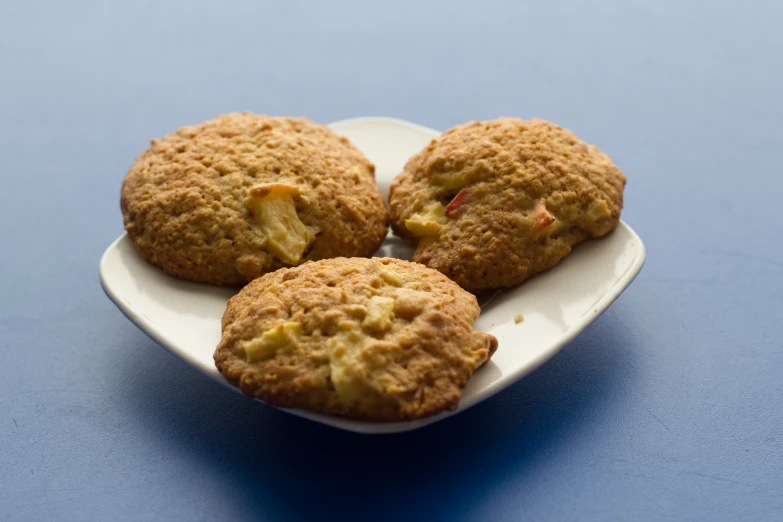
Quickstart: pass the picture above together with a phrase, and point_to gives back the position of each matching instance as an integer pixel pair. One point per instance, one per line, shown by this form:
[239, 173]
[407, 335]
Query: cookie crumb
[518, 318]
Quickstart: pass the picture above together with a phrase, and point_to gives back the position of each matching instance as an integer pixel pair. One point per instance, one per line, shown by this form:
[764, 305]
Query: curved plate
[557, 305]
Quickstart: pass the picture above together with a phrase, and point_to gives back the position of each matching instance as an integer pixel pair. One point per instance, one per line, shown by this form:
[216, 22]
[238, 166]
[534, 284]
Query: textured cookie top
[492, 203]
[232, 198]
[377, 339]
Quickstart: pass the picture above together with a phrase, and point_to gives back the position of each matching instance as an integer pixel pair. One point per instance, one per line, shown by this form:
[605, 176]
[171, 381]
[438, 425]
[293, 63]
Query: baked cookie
[230, 199]
[376, 339]
[492, 203]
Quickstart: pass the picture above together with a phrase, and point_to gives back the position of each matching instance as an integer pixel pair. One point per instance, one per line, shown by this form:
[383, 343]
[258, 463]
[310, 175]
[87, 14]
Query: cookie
[493, 203]
[230, 199]
[375, 339]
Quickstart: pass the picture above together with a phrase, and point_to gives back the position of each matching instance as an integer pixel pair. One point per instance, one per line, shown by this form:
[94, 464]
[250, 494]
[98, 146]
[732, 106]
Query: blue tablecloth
[667, 408]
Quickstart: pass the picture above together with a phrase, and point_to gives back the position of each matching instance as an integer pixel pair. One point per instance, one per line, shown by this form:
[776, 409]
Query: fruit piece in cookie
[390, 276]
[456, 205]
[542, 220]
[267, 345]
[518, 194]
[428, 221]
[380, 313]
[272, 206]
[343, 350]
[599, 209]
[376, 339]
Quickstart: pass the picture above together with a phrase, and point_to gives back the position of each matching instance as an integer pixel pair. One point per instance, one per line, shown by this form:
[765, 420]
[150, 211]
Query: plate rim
[366, 427]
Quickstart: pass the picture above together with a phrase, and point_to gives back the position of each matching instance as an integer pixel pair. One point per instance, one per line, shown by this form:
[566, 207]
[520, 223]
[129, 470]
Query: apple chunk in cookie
[272, 206]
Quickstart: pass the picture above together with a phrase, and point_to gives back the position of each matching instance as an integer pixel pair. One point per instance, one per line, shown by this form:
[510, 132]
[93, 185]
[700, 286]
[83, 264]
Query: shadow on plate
[289, 468]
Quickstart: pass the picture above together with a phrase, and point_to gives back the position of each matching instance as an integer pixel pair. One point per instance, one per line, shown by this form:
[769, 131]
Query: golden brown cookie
[230, 199]
[376, 339]
[492, 203]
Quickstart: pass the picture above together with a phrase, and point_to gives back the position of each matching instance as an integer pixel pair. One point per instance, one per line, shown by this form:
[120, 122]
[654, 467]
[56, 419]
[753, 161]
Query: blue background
[667, 408]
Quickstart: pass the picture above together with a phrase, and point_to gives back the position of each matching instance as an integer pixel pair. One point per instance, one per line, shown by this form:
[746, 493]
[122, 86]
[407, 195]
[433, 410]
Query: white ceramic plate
[557, 305]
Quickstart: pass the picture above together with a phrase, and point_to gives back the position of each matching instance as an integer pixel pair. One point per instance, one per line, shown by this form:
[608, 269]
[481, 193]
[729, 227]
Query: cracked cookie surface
[375, 339]
[232, 198]
[493, 203]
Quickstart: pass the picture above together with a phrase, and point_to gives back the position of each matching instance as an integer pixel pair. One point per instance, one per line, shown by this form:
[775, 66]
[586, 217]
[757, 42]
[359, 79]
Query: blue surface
[667, 408]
